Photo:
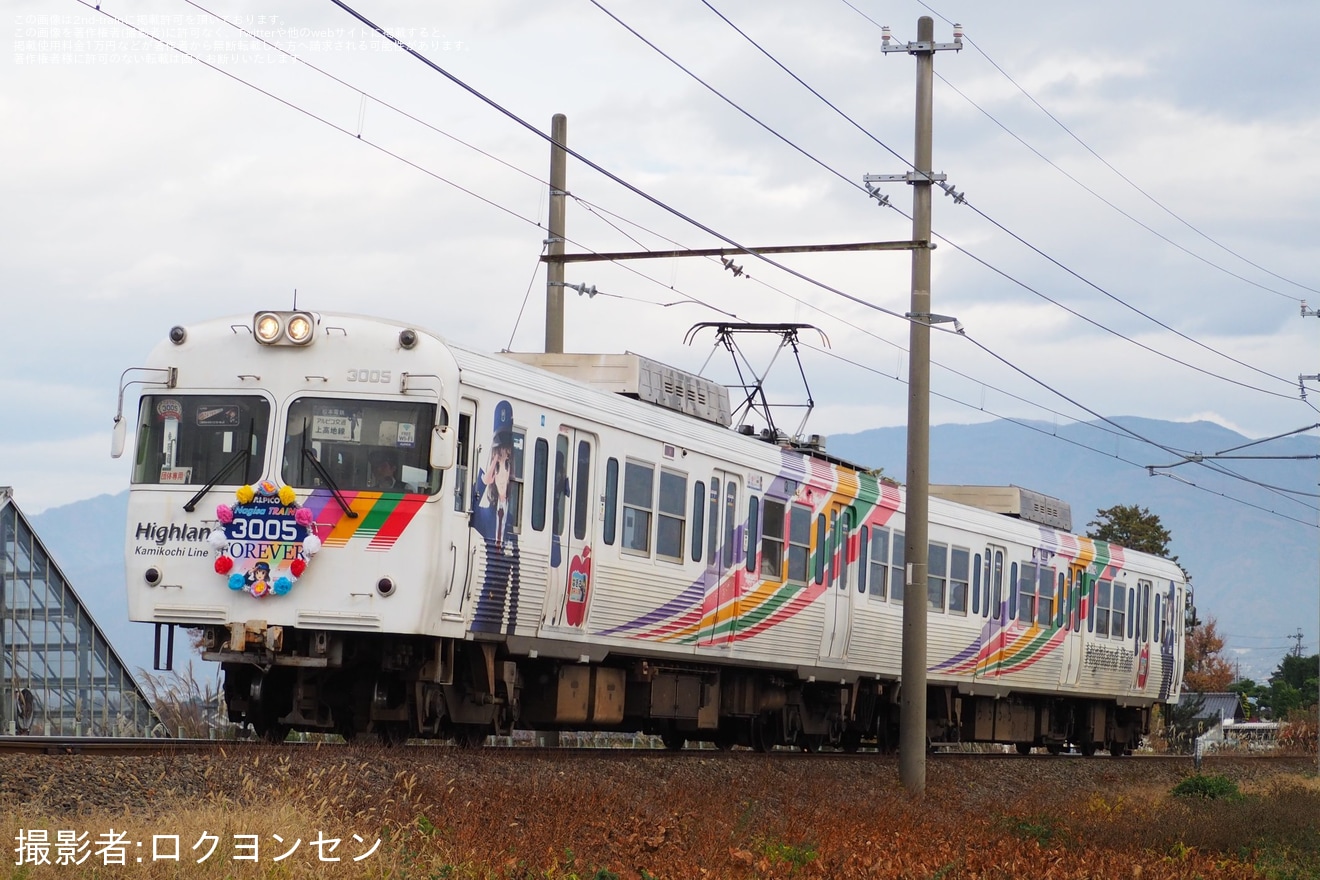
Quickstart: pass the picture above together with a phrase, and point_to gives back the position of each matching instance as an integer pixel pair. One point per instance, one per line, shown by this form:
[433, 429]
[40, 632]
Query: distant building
[1216, 708]
[1223, 722]
[59, 675]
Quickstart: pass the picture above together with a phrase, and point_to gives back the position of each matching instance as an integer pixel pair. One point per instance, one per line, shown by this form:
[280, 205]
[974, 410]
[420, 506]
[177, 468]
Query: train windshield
[190, 439]
[361, 445]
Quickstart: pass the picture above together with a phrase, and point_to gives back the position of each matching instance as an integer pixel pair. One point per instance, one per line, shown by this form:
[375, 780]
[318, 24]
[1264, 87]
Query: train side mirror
[117, 437]
[444, 440]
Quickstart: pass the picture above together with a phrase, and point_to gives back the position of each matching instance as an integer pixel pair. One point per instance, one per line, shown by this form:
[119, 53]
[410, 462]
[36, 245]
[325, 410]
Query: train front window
[362, 445]
[190, 439]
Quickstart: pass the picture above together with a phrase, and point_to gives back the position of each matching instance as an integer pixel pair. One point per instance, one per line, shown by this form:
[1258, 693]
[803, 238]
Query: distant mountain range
[1253, 553]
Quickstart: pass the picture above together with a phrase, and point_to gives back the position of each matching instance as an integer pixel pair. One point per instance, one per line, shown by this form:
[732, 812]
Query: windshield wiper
[244, 455]
[310, 456]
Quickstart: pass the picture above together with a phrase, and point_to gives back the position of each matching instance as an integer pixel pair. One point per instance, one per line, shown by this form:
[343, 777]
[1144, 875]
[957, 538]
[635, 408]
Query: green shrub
[1210, 787]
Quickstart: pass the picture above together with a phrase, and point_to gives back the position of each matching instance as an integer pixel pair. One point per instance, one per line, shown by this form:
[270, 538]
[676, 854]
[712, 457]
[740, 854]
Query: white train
[374, 530]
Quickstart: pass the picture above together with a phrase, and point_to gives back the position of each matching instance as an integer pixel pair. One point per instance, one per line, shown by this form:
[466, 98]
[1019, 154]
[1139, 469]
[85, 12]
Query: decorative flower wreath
[266, 522]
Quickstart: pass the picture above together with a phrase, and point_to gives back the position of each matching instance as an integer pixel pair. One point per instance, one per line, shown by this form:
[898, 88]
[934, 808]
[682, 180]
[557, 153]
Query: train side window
[976, 584]
[799, 542]
[937, 572]
[772, 540]
[879, 563]
[832, 557]
[1012, 591]
[958, 572]
[819, 572]
[1064, 599]
[1118, 614]
[897, 567]
[1132, 595]
[998, 595]
[582, 476]
[671, 522]
[713, 522]
[638, 495]
[540, 473]
[516, 480]
[1103, 592]
[1045, 596]
[844, 537]
[1135, 618]
[560, 484]
[698, 518]
[863, 558]
[462, 460]
[1061, 601]
[730, 513]
[1145, 614]
[1090, 613]
[1026, 592]
[611, 500]
[753, 530]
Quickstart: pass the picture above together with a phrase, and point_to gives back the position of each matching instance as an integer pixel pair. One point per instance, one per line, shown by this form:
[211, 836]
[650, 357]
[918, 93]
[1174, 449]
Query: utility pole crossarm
[733, 252]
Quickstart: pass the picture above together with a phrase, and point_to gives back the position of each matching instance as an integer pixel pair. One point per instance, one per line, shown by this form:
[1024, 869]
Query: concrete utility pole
[912, 700]
[912, 717]
[554, 273]
[1301, 381]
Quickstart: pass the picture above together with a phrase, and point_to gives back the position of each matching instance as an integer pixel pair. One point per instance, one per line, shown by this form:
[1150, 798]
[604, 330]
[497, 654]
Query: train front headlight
[284, 328]
[300, 329]
[267, 326]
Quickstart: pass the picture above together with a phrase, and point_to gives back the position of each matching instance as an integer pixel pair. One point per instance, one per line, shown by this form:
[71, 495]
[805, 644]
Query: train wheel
[673, 740]
[470, 736]
[1023, 748]
[759, 736]
[724, 740]
[273, 732]
[851, 742]
[1117, 748]
[392, 733]
[811, 742]
[1088, 749]
[1054, 749]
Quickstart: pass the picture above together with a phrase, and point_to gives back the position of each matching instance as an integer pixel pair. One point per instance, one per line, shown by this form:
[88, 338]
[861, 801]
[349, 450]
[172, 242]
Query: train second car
[377, 532]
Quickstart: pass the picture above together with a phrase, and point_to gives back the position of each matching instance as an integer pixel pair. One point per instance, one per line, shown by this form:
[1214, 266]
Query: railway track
[119, 746]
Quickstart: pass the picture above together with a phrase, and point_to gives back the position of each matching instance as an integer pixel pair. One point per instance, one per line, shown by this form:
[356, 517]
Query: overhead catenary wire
[1119, 173]
[471, 193]
[962, 200]
[1055, 435]
[379, 147]
[647, 196]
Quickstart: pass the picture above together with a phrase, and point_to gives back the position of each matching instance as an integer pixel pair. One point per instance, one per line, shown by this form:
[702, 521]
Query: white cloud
[46, 474]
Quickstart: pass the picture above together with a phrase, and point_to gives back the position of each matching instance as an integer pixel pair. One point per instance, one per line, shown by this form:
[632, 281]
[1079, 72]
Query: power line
[976, 210]
[1123, 176]
[1023, 424]
[513, 213]
[637, 191]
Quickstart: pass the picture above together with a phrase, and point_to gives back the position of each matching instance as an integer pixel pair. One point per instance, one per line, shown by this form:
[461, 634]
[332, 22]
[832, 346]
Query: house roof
[1215, 707]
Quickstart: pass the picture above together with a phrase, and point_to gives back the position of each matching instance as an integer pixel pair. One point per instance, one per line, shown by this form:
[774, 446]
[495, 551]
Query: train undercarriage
[396, 688]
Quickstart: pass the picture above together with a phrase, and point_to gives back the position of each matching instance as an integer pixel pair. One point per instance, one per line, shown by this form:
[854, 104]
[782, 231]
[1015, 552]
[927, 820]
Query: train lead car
[377, 532]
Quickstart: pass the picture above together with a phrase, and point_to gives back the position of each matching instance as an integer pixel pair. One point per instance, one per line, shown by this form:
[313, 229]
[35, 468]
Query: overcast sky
[1150, 168]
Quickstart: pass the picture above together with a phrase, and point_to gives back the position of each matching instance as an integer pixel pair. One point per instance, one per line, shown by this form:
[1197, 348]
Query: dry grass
[440, 813]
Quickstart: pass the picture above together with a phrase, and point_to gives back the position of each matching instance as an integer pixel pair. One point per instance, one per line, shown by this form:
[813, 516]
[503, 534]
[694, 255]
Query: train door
[837, 596]
[460, 549]
[572, 521]
[1070, 597]
[724, 556]
[994, 613]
